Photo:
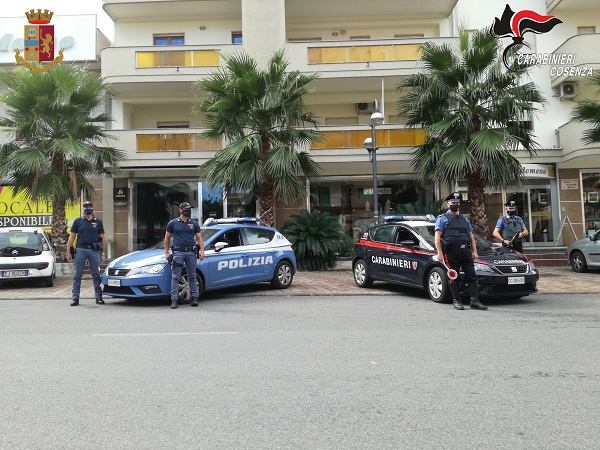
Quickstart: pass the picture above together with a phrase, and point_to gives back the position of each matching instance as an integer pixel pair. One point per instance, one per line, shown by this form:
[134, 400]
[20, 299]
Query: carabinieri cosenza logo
[515, 25]
[38, 42]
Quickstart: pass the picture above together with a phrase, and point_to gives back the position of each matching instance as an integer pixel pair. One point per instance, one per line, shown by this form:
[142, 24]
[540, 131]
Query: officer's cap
[88, 203]
[511, 204]
[184, 205]
[454, 197]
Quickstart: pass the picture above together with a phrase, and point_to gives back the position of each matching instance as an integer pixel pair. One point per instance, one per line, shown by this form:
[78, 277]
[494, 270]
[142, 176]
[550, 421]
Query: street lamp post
[371, 145]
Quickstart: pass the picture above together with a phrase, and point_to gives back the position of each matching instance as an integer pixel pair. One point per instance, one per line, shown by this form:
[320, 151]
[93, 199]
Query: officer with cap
[456, 232]
[510, 228]
[89, 247]
[182, 230]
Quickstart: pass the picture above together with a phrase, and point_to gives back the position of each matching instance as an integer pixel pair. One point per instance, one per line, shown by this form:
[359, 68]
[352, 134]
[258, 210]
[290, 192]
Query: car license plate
[15, 273]
[516, 280]
[112, 282]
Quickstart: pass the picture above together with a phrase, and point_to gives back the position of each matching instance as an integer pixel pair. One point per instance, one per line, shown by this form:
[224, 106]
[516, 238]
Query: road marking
[164, 334]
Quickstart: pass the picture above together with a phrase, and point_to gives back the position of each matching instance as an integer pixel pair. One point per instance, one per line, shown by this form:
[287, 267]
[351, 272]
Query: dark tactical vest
[457, 230]
[513, 226]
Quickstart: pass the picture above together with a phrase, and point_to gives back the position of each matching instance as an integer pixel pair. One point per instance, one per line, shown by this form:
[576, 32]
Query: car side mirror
[407, 243]
[220, 246]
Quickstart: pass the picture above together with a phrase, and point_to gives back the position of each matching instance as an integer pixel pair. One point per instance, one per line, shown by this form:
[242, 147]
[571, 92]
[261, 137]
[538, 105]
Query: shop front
[350, 198]
[590, 197]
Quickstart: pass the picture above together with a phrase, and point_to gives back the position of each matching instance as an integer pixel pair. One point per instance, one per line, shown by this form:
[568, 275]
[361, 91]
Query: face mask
[454, 207]
[187, 212]
[88, 212]
[511, 213]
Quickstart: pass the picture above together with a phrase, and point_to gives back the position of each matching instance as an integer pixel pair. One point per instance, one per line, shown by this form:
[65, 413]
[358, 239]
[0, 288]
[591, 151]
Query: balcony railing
[403, 137]
[363, 53]
[174, 142]
[177, 58]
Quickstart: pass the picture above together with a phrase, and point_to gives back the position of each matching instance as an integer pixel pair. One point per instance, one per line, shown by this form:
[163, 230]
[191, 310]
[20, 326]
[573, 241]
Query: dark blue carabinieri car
[238, 251]
[402, 251]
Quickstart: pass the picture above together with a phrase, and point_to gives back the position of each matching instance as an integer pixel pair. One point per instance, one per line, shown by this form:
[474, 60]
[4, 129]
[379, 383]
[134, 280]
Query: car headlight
[483, 268]
[154, 268]
[531, 266]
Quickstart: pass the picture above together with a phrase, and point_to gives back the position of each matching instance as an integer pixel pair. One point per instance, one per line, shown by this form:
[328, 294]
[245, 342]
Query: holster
[197, 251]
[72, 251]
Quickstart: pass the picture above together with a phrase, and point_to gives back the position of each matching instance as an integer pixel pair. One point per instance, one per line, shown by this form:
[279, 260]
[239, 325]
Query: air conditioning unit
[567, 90]
[362, 108]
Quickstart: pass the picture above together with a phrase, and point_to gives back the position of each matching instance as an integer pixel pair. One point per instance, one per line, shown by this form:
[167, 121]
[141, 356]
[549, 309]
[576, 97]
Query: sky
[62, 8]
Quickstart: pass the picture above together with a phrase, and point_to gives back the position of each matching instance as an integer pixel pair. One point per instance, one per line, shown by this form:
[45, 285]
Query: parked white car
[585, 253]
[26, 252]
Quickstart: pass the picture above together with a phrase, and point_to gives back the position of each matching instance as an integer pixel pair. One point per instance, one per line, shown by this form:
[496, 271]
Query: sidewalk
[336, 282]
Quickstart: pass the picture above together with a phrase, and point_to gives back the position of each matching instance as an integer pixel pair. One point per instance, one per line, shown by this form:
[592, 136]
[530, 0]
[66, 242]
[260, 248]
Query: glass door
[534, 206]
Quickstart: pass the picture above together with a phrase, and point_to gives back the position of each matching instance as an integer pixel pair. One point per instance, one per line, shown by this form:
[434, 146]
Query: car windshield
[427, 232]
[206, 234]
[21, 239]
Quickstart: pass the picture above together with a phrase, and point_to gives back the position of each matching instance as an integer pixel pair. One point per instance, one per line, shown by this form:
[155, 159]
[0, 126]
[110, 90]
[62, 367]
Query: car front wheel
[283, 275]
[578, 262]
[185, 294]
[361, 275]
[437, 285]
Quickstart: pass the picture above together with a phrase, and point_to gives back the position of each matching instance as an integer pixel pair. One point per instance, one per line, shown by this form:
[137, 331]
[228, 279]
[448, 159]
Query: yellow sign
[16, 211]
[38, 42]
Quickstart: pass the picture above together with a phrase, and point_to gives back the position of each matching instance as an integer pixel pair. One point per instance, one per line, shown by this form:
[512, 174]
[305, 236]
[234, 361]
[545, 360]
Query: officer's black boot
[174, 304]
[194, 301]
[476, 304]
[454, 289]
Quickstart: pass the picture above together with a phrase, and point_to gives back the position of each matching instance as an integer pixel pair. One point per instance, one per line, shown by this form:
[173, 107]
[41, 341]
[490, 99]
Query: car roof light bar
[212, 221]
[425, 217]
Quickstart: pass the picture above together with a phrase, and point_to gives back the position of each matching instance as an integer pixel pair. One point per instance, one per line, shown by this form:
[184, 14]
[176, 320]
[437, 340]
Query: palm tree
[588, 111]
[55, 121]
[258, 111]
[473, 109]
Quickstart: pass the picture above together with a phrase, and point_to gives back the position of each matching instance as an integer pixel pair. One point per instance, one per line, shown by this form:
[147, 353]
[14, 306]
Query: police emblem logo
[38, 42]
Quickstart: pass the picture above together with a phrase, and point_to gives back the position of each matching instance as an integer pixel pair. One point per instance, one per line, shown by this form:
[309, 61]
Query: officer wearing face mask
[183, 230]
[89, 247]
[510, 228]
[459, 251]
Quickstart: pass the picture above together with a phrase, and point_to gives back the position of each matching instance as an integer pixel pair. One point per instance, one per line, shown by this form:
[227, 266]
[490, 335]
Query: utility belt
[184, 249]
[97, 247]
[459, 245]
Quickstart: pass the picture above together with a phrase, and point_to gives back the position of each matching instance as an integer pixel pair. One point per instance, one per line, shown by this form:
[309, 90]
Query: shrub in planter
[347, 246]
[316, 237]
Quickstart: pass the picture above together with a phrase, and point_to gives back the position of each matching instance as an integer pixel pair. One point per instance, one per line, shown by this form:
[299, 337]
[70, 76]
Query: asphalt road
[331, 372]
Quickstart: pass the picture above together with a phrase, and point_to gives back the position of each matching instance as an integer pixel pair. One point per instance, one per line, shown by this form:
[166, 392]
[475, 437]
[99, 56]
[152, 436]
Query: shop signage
[569, 184]
[538, 171]
[121, 194]
[369, 191]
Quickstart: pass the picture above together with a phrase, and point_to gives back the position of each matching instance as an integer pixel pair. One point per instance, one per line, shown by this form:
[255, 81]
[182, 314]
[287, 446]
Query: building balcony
[575, 153]
[560, 6]
[146, 148]
[585, 47]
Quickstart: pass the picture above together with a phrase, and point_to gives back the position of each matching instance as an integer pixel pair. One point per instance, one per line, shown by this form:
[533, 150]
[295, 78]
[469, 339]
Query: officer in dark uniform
[89, 247]
[183, 229]
[510, 228]
[456, 232]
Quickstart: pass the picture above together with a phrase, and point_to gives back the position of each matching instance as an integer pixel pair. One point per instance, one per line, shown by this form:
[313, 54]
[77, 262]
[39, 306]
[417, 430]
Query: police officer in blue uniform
[89, 247]
[510, 228]
[183, 230]
[456, 233]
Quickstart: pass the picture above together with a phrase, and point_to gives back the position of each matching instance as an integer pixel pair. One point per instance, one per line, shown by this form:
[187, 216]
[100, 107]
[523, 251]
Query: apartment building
[361, 50]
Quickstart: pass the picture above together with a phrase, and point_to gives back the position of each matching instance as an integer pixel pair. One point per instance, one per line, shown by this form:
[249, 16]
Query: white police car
[238, 251]
[402, 250]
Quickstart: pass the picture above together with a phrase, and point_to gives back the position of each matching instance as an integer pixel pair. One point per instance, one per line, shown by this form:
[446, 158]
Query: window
[383, 234]
[256, 236]
[232, 237]
[236, 37]
[166, 39]
[403, 234]
[586, 30]
[591, 201]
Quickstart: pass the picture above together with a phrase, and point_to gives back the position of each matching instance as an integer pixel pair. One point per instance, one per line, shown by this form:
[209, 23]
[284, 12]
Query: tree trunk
[59, 231]
[476, 195]
[267, 200]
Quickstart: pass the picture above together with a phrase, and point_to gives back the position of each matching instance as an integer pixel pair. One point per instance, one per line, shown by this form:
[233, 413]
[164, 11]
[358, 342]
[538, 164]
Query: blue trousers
[81, 256]
[179, 259]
